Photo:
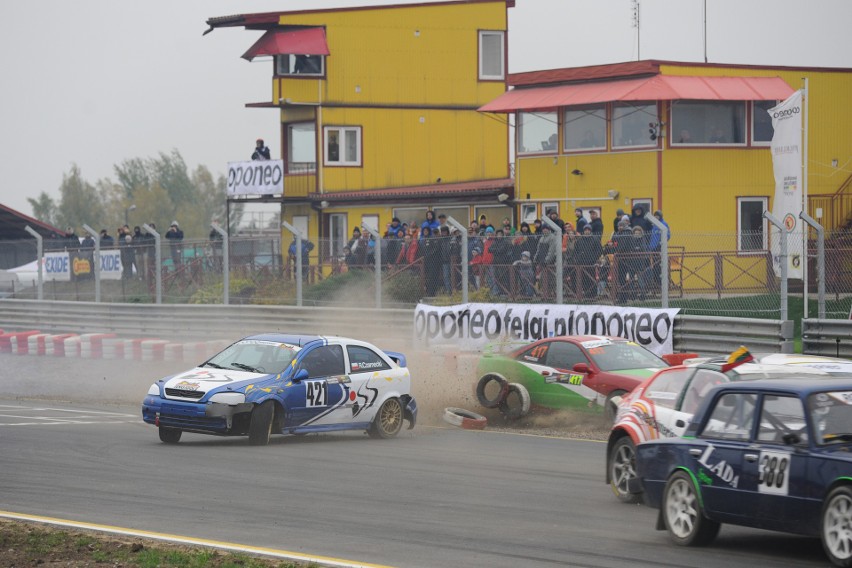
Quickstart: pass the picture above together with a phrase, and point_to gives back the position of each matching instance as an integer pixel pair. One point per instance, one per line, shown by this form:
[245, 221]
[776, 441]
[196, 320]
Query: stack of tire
[512, 399]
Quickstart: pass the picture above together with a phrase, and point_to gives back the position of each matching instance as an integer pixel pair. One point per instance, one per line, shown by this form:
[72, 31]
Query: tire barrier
[483, 385]
[17, 341]
[36, 344]
[464, 418]
[71, 346]
[152, 349]
[517, 402]
[91, 345]
[56, 347]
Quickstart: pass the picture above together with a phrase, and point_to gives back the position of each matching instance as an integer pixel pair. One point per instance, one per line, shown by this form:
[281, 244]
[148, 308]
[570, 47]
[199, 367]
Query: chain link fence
[706, 274]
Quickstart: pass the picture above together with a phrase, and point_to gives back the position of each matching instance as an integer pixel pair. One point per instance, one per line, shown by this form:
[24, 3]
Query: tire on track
[683, 514]
[464, 418]
[483, 385]
[622, 467]
[517, 402]
[260, 427]
[170, 435]
[388, 420]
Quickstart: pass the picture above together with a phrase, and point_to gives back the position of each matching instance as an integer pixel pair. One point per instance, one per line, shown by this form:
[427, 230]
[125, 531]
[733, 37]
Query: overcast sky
[95, 82]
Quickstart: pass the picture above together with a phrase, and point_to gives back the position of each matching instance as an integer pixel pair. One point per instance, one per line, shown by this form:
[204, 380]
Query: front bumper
[196, 416]
[410, 413]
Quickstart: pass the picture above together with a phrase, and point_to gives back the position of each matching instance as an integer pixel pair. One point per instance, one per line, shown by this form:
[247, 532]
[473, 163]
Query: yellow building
[689, 139]
[378, 110]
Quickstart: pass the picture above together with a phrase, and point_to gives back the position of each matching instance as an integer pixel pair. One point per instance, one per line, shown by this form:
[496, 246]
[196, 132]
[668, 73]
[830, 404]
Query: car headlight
[154, 390]
[228, 398]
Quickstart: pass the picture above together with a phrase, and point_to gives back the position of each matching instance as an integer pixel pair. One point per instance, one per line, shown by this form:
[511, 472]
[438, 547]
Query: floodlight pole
[158, 269]
[820, 261]
[377, 254]
[39, 260]
[226, 270]
[664, 259]
[96, 261]
[298, 234]
[782, 260]
[464, 259]
[557, 233]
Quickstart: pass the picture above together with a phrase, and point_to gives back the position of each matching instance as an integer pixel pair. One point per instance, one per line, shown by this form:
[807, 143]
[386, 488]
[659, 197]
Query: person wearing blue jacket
[655, 232]
[431, 222]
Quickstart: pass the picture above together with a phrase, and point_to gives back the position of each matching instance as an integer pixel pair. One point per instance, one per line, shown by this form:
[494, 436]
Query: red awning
[308, 41]
[656, 88]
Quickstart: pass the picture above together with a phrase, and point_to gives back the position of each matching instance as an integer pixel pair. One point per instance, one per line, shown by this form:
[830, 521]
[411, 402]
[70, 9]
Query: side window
[731, 418]
[665, 389]
[535, 355]
[342, 145]
[362, 359]
[703, 381]
[564, 355]
[491, 55]
[781, 415]
[324, 361]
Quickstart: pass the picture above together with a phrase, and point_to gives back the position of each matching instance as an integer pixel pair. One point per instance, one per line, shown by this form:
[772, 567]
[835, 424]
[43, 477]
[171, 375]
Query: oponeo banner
[257, 177]
[472, 326]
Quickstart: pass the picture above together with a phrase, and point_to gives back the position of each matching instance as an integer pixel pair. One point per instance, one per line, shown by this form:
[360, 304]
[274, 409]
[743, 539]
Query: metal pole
[782, 260]
[557, 233]
[664, 259]
[464, 259]
[805, 104]
[158, 267]
[226, 270]
[39, 261]
[298, 234]
[96, 261]
[820, 261]
[377, 254]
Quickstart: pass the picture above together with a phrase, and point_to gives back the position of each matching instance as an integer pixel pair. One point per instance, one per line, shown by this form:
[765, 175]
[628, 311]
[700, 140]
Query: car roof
[803, 384]
[299, 340]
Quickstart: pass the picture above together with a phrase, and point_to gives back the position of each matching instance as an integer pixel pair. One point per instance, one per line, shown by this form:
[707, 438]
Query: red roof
[654, 88]
[483, 188]
[306, 41]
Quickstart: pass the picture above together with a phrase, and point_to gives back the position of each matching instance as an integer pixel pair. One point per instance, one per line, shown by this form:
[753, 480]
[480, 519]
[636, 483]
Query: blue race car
[286, 384]
[772, 454]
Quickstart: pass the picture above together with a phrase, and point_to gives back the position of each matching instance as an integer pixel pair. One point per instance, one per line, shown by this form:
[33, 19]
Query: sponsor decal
[596, 343]
[720, 469]
[81, 266]
[187, 386]
[367, 365]
[473, 326]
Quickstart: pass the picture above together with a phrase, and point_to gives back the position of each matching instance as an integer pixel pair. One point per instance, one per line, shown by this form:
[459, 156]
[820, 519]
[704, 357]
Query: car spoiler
[397, 358]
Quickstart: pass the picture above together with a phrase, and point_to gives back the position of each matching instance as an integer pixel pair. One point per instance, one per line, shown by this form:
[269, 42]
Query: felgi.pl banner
[473, 326]
[257, 177]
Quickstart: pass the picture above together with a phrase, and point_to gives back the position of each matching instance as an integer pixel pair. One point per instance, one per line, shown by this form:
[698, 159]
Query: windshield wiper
[837, 438]
[244, 367]
[214, 365]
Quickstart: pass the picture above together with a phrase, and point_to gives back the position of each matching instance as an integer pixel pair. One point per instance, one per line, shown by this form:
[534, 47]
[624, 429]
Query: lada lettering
[721, 468]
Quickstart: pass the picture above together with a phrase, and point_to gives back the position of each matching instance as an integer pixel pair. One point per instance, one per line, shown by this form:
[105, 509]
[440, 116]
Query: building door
[337, 234]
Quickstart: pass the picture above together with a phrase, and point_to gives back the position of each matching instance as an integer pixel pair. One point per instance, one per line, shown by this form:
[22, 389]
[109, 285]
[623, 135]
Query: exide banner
[62, 266]
[473, 326]
[257, 177]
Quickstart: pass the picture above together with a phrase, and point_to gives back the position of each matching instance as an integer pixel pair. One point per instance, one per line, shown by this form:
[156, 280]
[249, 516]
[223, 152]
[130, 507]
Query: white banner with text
[787, 165]
[257, 177]
[473, 326]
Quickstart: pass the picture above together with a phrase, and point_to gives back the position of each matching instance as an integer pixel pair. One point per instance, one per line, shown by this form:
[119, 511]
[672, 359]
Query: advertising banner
[63, 267]
[257, 177]
[787, 164]
[473, 326]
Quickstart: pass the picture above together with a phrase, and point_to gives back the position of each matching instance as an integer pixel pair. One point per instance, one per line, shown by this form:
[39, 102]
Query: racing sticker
[720, 468]
[566, 378]
[366, 366]
[316, 393]
[774, 473]
[187, 386]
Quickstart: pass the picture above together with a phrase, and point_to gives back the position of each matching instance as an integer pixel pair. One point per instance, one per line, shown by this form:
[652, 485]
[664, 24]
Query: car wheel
[170, 435]
[260, 427]
[836, 530]
[517, 402]
[491, 390]
[388, 420]
[622, 468]
[683, 514]
[610, 408]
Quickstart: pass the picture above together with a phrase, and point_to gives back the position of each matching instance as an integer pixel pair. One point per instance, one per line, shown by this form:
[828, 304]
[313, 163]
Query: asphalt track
[433, 497]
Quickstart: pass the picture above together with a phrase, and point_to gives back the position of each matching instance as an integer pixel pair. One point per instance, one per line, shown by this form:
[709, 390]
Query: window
[371, 221]
[700, 385]
[491, 56]
[761, 123]
[703, 123]
[290, 64]
[752, 226]
[632, 123]
[343, 145]
[337, 233]
[564, 355]
[364, 360]
[585, 128]
[665, 389]
[537, 132]
[831, 416]
[301, 147]
[782, 415]
[324, 361]
[549, 206]
[536, 354]
[414, 216]
[528, 213]
[731, 418]
[646, 204]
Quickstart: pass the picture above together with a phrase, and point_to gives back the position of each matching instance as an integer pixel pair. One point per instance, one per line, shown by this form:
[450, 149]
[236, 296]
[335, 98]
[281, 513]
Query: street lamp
[127, 213]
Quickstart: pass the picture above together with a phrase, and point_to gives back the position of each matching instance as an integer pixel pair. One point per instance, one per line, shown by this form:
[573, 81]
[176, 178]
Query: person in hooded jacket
[637, 219]
[587, 252]
[624, 246]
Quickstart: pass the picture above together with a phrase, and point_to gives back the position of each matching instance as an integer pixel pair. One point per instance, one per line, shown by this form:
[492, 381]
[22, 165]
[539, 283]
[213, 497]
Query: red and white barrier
[36, 344]
[173, 352]
[113, 348]
[71, 346]
[91, 344]
[153, 349]
[16, 341]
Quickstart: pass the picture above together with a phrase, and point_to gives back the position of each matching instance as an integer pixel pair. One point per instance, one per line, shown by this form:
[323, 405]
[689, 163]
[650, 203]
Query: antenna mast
[635, 11]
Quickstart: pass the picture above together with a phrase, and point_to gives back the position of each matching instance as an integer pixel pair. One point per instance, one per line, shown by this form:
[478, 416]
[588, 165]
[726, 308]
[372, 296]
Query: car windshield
[620, 355]
[269, 357]
[831, 415]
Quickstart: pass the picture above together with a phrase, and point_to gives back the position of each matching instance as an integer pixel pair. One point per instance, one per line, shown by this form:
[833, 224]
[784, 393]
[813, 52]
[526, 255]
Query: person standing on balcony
[261, 151]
